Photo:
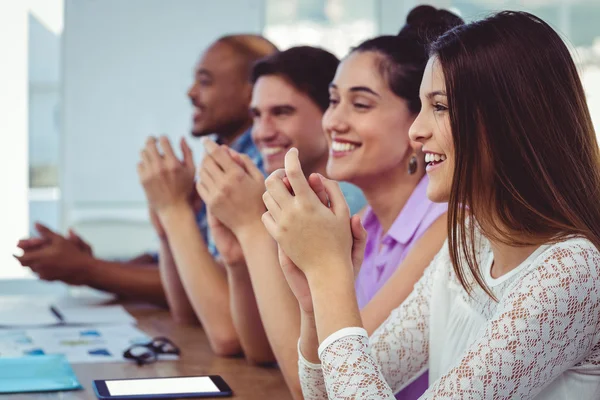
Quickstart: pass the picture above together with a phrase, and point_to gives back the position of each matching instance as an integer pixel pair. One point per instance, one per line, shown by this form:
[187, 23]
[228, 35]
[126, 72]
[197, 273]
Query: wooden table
[247, 382]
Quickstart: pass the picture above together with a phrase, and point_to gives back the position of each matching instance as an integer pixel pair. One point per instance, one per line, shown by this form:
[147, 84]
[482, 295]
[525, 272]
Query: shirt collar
[369, 219]
[241, 143]
[407, 222]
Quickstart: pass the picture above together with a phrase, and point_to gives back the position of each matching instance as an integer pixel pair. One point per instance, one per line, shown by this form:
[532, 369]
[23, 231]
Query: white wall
[126, 69]
[45, 27]
[44, 52]
[13, 131]
[393, 14]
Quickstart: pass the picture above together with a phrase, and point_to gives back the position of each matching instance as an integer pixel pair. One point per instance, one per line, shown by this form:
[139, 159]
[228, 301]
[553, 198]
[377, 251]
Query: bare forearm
[335, 305]
[203, 279]
[145, 258]
[246, 317]
[179, 304]
[309, 342]
[277, 304]
[131, 281]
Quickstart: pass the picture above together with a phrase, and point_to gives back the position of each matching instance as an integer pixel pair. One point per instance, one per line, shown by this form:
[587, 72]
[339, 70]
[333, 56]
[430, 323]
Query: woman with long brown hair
[510, 307]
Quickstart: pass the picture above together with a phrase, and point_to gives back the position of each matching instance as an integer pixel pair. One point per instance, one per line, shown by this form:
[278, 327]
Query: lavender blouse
[385, 251]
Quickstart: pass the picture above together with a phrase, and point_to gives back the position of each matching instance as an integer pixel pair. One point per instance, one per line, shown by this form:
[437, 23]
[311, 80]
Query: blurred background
[84, 82]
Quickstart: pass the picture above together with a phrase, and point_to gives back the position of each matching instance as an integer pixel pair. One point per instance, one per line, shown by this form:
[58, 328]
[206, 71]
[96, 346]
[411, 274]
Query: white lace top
[540, 340]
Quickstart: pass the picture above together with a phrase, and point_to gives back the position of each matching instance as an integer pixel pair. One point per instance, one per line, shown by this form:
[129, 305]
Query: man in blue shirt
[194, 281]
[220, 96]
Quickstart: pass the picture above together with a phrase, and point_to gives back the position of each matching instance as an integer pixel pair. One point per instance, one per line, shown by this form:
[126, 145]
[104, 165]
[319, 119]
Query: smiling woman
[373, 100]
[509, 307]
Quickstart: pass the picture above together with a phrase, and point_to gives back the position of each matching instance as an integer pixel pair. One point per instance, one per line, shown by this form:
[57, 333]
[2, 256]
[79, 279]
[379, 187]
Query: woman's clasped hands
[310, 220]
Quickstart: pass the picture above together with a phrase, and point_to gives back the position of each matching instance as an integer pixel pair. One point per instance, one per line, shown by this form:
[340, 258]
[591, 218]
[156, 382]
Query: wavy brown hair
[527, 160]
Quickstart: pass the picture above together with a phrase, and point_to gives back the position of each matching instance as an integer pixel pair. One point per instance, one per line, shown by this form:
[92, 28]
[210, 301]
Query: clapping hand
[167, 181]
[311, 222]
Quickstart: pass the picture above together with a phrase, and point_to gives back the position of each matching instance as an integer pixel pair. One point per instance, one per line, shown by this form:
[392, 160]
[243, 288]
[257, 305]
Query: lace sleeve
[311, 379]
[547, 323]
[399, 350]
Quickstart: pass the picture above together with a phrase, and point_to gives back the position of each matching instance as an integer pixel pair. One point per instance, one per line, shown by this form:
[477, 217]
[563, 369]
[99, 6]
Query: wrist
[237, 272]
[339, 271]
[250, 230]
[307, 318]
[334, 301]
[89, 269]
[249, 227]
[234, 264]
[309, 342]
[174, 212]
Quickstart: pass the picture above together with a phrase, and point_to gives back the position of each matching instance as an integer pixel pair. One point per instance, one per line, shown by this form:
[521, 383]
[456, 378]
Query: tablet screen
[192, 384]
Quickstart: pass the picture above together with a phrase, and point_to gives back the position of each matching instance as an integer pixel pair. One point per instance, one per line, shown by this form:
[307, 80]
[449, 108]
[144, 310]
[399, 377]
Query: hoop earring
[413, 164]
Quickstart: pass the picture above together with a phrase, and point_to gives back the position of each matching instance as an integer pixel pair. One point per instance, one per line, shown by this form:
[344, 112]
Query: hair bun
[421, 15]
[428, 23]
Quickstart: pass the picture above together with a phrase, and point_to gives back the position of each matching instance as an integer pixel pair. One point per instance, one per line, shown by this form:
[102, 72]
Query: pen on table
[58, 314]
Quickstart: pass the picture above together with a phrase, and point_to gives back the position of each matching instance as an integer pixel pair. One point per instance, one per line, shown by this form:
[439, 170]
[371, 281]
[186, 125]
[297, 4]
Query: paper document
[96, 315]
[25, 313]
[77, 344]
[33, 314]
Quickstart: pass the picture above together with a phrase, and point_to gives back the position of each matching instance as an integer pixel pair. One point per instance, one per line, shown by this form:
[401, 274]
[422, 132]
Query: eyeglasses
[147, 353]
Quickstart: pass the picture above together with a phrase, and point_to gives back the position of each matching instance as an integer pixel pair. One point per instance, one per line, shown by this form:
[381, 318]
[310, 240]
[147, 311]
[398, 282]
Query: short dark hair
[308, 69]
[404, 56]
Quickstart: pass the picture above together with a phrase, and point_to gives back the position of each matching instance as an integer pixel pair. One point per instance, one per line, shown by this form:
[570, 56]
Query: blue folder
[41, 373]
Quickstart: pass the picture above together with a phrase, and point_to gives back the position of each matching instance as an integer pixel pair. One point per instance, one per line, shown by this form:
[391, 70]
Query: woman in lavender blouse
[374, 98]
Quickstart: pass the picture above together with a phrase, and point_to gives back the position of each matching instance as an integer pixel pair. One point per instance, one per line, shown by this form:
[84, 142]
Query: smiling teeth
[341, 146]
[269, 151]
[429, 157]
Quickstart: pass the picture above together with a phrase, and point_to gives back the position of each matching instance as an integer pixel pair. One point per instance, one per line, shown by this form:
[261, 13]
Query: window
[45, 22]
[575, 20]
[31, 96]
[335, 25]
[581, 18]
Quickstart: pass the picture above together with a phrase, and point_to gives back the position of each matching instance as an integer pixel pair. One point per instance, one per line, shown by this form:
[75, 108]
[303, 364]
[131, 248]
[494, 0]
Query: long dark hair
[403, 57]
[527, 160]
